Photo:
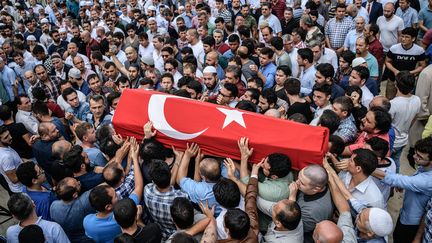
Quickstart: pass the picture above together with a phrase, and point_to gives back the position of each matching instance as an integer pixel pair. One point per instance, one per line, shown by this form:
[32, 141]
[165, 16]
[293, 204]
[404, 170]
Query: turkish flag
[217, 128]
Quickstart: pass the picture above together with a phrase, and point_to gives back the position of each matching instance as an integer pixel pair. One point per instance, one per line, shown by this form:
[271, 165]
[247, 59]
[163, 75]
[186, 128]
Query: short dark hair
[125, 212]
[227, 193]
[374, 28]
[196, 86]
[383, 119]
[292, 86]
[209, 40]
[40, 108]
[20, 205]
[326, 69]
[183, 237]
[39, 94]
[290, 215]
[182, 212]
[306, 53]
[338, 144]
[354, 88]
[280, 164]
[424, 146]
[341, 5]
[31, 233]
[124, 238]
[160, 173]
[67, 92]
[26, 173]
[82, 129]
[323, 88]
[277, 43]
[285, 69]
[329, 119]
[99, 198]
[348, 56]
[270, 95]
[255, 93]
[410, 31]
[231, 88]
[267, 51]
[109, 147]
[366, 159]
[362, 71]
[73, 159]
[379, 146]
[246, 105]
[345, 103]
[238, 223]
[5, 112]
[405, 82]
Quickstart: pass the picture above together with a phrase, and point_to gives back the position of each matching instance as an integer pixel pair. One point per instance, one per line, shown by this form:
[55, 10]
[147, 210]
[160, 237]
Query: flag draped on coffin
[217, 128]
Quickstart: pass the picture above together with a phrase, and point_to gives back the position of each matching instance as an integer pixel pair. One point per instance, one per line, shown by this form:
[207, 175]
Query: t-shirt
[103, 229]
[405, 59]
[42, 150]
[10, 160]
[42, 201]
[70, 216]
[89, 180]
[389, 30]
[148, 234]
[95, 156]
[17, 131]
[403, 110]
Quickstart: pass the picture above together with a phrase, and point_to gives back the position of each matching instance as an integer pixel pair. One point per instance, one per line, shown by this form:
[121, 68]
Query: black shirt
[150, 233]
[287, 27]
[17, 131]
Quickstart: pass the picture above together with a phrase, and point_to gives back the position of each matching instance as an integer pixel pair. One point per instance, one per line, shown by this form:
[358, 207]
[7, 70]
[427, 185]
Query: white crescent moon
[157, 116]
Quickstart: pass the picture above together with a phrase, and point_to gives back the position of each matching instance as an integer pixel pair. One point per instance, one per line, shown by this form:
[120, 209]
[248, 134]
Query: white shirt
[273, 22]
[389, 30]
[10, 160]
[329, 56]
[121, 56]
[318, 113]
[403, 110]
[146, 51]
[294, 64]
[367, 96]
[198, 52]
[69, 60]
[158, 61]
[29, 121]
[221, 234]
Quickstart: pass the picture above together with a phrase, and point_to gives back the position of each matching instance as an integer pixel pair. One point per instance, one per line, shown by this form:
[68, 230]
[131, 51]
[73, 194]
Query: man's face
[358, 3]
[225, 95]
[91, 135]
[343, 64]
[219, 5]
[95, 84]
[72, 100]
[264, 59]
[6, 139]
[403, 4]
[234, 46]
[193, 94]
[388, 10]
[87, 26]
[111, 72]
[263, 104]
[72, 50]
[305, 185]
[76, 32]
[362, 223]
[247, 96]
[288, 15]
[152, 25]
[211, 60]
[421, 159]
[368, 123]
[53, 133]
[41, 73]
[280, 77]
[220, 26]
[300, 61]
[79, 63]
[202, 19]
[131, 54]
[355, 79]
[266, 35]
[156, 44]
[133, 73]
[218, 38]
[144, 42]
[166, 83]
[57, 63]
[337, 108]
[320, 99]
[97, 108]
[170, 68]
[230, 78]
[340, 13]
[361, 47]
[19, 60]
[236, 4]
[209, 80]
[319, 78]
[25, 104]
[407, 40]
[245, 11]
[265, 11]
[56, 37]
[316, 53]
[360, 24]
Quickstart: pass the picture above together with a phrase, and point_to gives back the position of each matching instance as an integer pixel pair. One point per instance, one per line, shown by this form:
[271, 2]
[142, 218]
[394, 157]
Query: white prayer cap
[62, 30]
[31, 38]
[152, 8]
[358, 61]
[209, 69]
[380, 222]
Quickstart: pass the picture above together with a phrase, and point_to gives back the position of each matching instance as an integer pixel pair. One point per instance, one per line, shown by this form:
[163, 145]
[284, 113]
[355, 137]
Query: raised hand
[192, 150]
[229, 164]
[256, 167]
[243, 145]
[148, 133]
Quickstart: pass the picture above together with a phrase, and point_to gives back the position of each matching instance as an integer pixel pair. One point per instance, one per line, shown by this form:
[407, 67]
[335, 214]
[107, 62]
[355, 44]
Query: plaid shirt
[427, 237]
[54, 92]
[226, 15]
[158, 204]
[336, 31]
[347, 130]
[128, 185]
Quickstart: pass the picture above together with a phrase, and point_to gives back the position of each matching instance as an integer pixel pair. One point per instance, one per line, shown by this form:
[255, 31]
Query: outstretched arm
[138, 178]
[245, 152]
[229, 164]
[190, 152]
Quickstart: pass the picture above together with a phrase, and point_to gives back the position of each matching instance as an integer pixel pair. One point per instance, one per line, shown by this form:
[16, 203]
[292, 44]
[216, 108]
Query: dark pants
[404, 233]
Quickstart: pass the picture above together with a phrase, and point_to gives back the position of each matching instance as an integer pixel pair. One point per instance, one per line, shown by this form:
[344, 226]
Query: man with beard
[51, 85]
[9, 161]
[96, 87]
[211, 83]
[362, 50]
[58, 45]
[72, 50]
[90, 43]
[84, 71]
[45, 38]
[390, 26]
[77, 40]
[220, 45]
[249, 20]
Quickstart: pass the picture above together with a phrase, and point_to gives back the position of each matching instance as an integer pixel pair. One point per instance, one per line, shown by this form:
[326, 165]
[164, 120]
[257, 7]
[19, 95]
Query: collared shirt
[346, 225]
[427, 237]
[307, 79]
[367, 96]
[318, 113]
[69, 60]
[52, 232]
[366, 192]
[329, 56]
[269, 71]
[53, 92]
[106, 119]
[29, 121]
[158, 204]
[273, 189]
[372, 64]
[274, 235]
[418, 190]
[409, 16]
[200, 192]
[347, 130]
[351, 39]
[8, 77]
[336, 31]
[81, 111]
[128, 185]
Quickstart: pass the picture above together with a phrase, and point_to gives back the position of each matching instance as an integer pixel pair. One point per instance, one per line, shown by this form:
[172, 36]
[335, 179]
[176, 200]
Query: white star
[231, 116]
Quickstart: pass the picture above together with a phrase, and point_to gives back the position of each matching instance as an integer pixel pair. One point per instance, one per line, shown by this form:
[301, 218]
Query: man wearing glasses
[418, 190]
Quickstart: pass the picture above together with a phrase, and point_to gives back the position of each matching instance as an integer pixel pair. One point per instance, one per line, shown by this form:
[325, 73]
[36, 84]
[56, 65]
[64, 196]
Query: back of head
[238, 223]
[405, 82]
[125, 212]
[182, 212]
[124, 238]
[26, 173]
[330, 120]
[289, 215]
[20, 205]
[383, 119]
[160, 173]
[31, 233]
[317, 175]
[379, 146]
[152, 149]
[64, 190]
[99, 198]
[328, 232]
[280, 165]
[183, 237]
[366, 159]
[109, 147]
[210, 169]
[380, 222]
[227, 193]
[337, 145]
[74, 159]
[113, 174]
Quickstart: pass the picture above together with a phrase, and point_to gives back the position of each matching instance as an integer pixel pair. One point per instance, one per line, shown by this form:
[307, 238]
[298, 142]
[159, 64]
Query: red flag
[217, 128]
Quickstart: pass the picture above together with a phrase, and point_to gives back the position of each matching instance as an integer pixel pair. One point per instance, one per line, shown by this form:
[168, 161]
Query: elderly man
[91, 44]
[72, 50]
[351, 38]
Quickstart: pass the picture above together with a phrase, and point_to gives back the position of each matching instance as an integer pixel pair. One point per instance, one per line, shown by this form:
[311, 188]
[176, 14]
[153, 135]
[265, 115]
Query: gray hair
[317, 174]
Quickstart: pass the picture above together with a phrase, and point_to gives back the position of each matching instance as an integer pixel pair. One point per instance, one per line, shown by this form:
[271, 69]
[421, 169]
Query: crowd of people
[360, 68]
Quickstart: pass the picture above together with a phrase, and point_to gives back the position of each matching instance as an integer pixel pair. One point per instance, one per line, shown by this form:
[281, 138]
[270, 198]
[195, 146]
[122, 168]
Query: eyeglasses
[169, 69]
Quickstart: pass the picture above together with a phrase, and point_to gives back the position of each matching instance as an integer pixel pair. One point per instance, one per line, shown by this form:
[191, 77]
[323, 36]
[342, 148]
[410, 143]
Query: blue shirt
[89, 180]
[269, 71]
[103, 229]
[95, 156]
[307, 80]
[8, 77]
[370, 84]
[81, 111]
[84, 88]
[418, 190]
[372, 65]
[42, 201]
[52, 231]
[228, 54]
[200, 192]
[60, 127]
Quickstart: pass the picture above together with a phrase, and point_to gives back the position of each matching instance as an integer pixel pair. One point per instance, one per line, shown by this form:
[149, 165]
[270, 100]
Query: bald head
[380, 101]
[60, 147]
[113, 174]
[327, 232]
[316, 174]
[273, 113]
[210, 169]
